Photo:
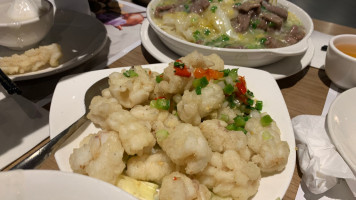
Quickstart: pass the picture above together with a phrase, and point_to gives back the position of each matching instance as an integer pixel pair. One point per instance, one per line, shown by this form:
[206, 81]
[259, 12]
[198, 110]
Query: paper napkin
[319, 161]
[319, 40]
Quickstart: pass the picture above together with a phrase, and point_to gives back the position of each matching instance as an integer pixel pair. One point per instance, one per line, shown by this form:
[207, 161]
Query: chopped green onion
[231, 100]
[271, 24]
[259, 105]
[250, 94]
[213, 9]
[241, 129]
[161, 104]
[130, 73]
[161, 135]
[254, 23]
[224, 117]
[233, 74]
[228, 89]
[200, 83]
[207, 32]
[233, 127]
[266, 135]
[220, 0]
[225, 37]
[196, 35]
[179, 64]
[246, 118]
[239, 121]
[266, 120]
[250, 102]
[159, 78]
[263, 40]
[198, 90]
[186, 7]
[226, 72]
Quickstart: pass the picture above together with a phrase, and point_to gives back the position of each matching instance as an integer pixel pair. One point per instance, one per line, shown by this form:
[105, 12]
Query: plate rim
[73, 62]
[48, 174]
[330, 126]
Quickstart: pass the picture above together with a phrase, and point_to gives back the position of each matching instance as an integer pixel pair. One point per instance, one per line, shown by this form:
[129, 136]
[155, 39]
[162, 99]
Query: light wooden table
[304, 93]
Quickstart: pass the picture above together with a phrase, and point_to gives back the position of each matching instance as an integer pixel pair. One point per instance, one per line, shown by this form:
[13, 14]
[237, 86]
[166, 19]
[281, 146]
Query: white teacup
[340, 67]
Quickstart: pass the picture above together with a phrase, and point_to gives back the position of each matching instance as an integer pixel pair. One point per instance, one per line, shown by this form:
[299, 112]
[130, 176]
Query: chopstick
[8, 84]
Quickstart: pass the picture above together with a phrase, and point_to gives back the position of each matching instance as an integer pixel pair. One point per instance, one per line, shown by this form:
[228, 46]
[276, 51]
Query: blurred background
[340, 12]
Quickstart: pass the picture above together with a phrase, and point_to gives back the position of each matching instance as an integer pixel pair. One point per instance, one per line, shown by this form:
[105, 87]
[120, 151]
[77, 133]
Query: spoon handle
[36, 158]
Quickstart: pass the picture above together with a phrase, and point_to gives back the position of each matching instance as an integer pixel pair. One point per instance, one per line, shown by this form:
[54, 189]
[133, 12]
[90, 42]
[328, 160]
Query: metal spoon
[41, 154]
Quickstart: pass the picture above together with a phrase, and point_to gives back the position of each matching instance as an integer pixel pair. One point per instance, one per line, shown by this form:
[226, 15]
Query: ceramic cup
[340, 67]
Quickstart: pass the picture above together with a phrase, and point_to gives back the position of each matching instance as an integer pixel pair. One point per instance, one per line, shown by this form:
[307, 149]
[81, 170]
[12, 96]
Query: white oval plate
[68, 105]
[281, 69]
[56, 185]
[341, 121]
[81, 37]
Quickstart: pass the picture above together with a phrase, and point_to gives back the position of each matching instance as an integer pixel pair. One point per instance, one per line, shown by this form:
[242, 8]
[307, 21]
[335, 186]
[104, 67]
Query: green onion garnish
[266, 120]
[130, 73]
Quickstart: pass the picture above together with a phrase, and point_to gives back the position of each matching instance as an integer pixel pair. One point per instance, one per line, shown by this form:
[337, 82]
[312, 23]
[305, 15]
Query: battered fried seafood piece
[198, 60]
[220, 139]
[193, 107]
[100, 109]
[177, 186]
[172, 84]
[187, 147]
[32, 60]
[135, 134]
[159, 119]
[225, 113]
[228, 175]
[132, 87]
[271, 154]
[151, 167]
[99, 156]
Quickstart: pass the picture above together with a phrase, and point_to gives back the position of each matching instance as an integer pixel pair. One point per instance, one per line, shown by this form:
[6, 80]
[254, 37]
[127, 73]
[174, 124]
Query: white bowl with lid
[25, 34]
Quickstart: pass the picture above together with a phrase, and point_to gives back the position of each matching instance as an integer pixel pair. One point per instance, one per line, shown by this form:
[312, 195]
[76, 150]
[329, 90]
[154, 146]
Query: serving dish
[80, 36]
[241, 57]
[341, 126]
[55, 185]
[67, 105]
[281, 69]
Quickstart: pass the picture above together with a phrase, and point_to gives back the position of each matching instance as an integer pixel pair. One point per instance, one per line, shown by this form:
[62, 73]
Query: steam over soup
[242, 24]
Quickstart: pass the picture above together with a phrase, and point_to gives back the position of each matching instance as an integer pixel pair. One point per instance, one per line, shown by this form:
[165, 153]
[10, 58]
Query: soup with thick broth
[242, 24]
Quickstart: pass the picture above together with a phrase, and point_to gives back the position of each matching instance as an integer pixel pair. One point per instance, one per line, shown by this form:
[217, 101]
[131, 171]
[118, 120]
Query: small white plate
[56, 185]
[281, 69]
[341, 121]
[81, 37]
[68, 105]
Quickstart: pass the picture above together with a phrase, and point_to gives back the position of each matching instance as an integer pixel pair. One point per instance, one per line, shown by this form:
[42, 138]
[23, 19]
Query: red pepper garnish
[182, 72]
[208, 73]
[159, 98]
[180, 69]
[174, 178]
[241, 85]
[241, 90]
